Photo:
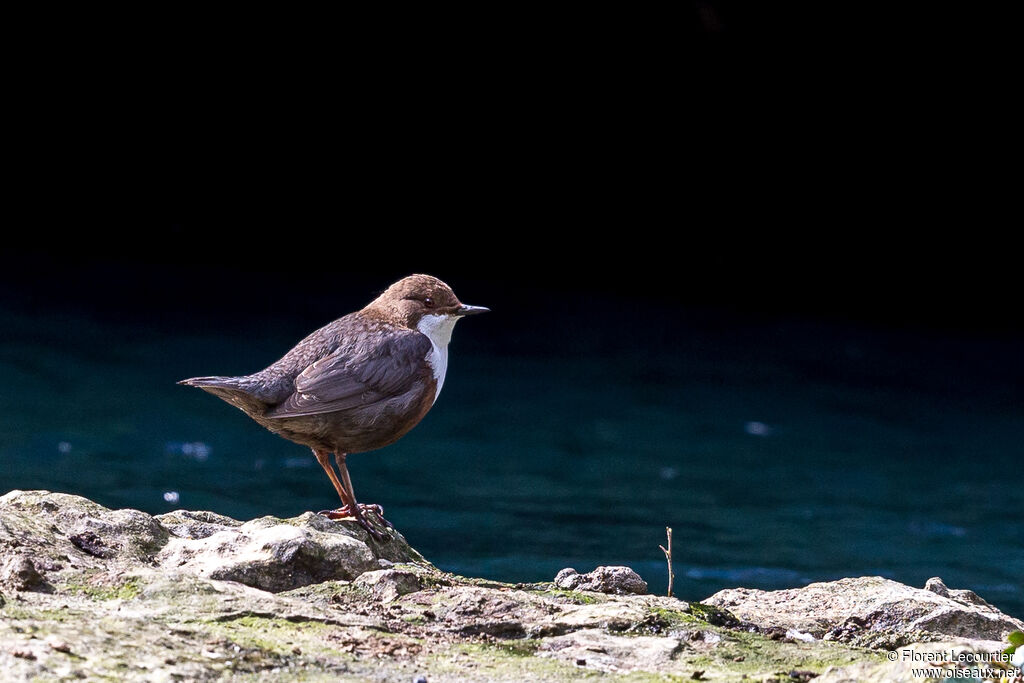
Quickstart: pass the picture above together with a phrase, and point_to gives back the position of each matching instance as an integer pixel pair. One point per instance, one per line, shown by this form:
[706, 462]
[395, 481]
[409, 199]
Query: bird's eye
[428, 302]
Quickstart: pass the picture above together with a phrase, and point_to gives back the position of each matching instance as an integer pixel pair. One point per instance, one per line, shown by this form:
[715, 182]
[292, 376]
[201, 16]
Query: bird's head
[422, 302]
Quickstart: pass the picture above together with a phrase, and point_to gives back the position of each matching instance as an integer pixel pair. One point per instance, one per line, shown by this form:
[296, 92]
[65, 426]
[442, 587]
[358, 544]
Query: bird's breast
[438, 329]
[438, 361]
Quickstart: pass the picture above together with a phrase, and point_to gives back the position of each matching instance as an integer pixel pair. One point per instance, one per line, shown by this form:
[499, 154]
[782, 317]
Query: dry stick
[668, 558]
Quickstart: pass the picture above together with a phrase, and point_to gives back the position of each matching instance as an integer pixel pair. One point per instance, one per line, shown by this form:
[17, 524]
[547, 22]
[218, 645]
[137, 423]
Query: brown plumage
[357, 384]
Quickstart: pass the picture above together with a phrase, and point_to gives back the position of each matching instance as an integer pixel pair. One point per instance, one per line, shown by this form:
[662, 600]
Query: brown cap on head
[412, 297]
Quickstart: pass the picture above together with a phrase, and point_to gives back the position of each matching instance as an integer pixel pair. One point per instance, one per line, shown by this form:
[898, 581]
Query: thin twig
[668, 558]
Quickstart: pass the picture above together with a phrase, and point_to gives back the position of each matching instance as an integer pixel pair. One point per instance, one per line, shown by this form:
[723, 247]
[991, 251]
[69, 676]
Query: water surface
[780, 451]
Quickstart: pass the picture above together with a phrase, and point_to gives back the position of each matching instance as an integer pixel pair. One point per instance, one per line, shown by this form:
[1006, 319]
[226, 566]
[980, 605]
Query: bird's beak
[463, 309]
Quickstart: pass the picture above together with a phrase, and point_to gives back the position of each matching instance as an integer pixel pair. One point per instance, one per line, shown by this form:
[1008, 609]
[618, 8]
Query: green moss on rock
[572, 597]
[127, 589]
[670, 619]
[715, 616]
[271, 634]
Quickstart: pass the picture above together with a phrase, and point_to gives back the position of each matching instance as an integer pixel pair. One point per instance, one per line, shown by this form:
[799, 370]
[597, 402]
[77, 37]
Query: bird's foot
[345, 512]
[360, 515]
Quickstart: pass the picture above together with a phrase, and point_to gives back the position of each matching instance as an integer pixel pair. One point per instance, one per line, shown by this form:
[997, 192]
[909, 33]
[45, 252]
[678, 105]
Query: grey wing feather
[356, 377]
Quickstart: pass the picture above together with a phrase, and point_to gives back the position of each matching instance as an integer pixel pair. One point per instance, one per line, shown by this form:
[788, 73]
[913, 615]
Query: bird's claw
[360, 515]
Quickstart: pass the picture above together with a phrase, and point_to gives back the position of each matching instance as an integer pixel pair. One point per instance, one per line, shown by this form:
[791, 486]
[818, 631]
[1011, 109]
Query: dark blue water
[780, 451]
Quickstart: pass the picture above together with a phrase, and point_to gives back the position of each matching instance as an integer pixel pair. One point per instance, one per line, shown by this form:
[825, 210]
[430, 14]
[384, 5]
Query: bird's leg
[322, 457]
[359, 509]
[350, 508]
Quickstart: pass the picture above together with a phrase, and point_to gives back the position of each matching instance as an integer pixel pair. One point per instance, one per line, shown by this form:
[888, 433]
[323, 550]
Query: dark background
[782, 159]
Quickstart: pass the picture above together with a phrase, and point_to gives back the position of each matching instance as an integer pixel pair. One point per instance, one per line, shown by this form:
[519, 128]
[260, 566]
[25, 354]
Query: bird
[357, 384]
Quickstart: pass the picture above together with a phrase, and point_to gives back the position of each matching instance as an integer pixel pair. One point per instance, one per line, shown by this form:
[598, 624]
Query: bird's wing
[380, 366]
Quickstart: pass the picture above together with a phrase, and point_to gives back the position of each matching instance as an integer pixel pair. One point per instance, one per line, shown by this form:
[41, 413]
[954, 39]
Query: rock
[606, 652]
[275, 556]
[613, 580]
[19, 572]
[98, 594]
[936, 585]
[58, 645]
[387, 585]
[474, 610]
[189, 524]
[964, 597]
[57, 528]
[567, 578]
[871, 611]
[612, 615]
[75, 534]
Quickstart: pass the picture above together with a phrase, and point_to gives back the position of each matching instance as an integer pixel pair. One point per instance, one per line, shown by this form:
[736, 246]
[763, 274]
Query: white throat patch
[438, 329]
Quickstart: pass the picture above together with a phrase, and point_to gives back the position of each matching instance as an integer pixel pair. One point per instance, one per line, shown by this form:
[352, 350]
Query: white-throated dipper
[357, 384]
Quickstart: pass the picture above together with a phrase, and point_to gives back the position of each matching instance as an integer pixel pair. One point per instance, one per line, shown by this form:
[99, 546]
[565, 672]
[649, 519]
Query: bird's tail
[228, 388]
[212, 382]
